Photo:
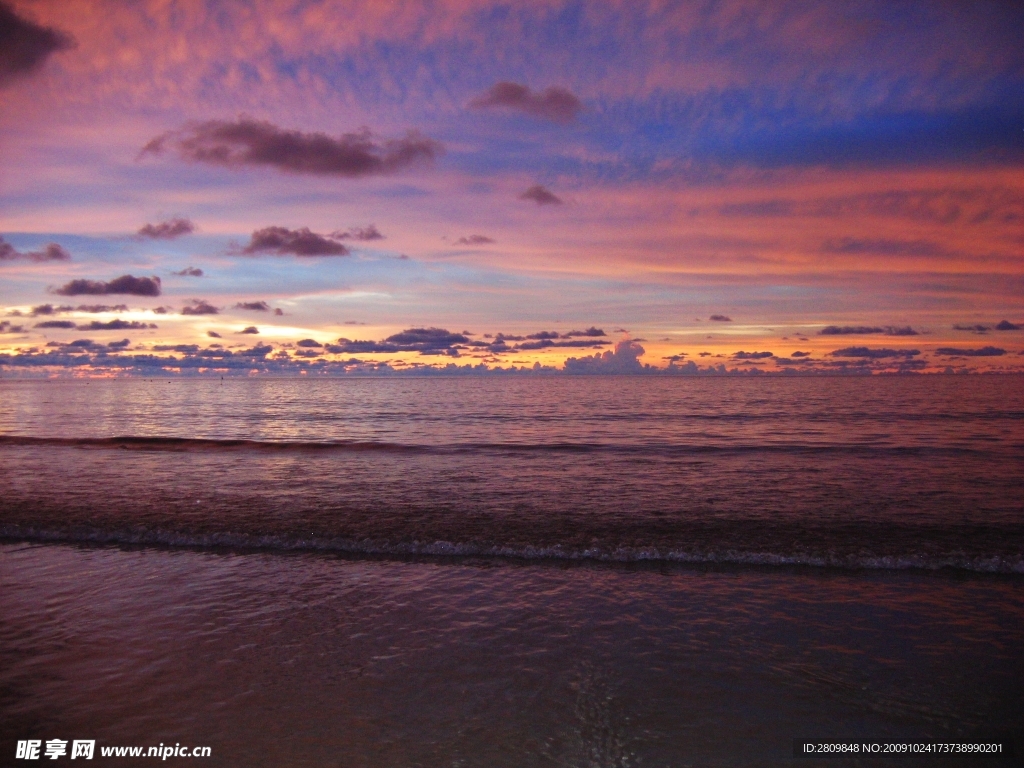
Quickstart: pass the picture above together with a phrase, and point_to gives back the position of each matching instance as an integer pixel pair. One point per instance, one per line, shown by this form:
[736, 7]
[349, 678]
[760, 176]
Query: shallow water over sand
[289, 660]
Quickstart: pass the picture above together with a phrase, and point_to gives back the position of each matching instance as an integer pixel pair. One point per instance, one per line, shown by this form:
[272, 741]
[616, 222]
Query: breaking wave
[995, 564]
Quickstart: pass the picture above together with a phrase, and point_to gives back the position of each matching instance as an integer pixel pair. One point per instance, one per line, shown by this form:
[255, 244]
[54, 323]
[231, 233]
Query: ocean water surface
[535, 571]
[893, 472]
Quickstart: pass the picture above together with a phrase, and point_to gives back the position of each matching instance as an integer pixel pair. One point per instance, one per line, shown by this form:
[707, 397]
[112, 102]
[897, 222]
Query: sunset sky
[290, 185]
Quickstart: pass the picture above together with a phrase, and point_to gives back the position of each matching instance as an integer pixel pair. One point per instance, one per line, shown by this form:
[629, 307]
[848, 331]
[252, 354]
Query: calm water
[687, 572]
[894, 472]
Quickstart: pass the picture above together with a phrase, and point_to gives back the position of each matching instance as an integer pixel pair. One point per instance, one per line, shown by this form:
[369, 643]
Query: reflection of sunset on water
[348, 173]
[527, 384]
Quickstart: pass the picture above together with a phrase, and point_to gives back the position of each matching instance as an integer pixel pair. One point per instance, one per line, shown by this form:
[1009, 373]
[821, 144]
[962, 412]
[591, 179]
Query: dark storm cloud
[752, 355]
[308, 343]
[213, 334]
[199, 307]
[874, 354]
[721, 318]
[474, 240]
[801, 354]
[977, 352]
[554, 103]
[24, 46]
[1006, 325]
[126, 284]
[189, 272]
[250, 329]
[52, 252]
[254, 306]
[167, 230]
[249, 142]
[298, 242]
[358, 233]
[541, 196]
[863, 330]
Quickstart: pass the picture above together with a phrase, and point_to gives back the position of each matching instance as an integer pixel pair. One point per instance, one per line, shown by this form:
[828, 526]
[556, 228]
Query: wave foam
[909, 561]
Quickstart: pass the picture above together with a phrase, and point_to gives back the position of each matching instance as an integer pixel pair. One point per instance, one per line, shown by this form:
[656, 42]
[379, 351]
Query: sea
[514, 571]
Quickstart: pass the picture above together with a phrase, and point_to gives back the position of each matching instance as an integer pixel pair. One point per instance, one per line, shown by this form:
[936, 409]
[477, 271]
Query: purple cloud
[55, 324]
[167, 230]
[977, 352]
[249, 142]
[541, 195]
[862, 330]
[52, 252]
[116, 325]
[298, 242]
[554, 103]
[24, 46]
[874, 354]
[126, 284]
[358, 233]
[199, 307]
